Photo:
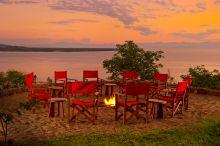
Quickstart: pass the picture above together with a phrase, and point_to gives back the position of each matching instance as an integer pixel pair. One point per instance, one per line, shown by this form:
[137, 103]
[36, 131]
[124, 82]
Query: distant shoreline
[55, 49]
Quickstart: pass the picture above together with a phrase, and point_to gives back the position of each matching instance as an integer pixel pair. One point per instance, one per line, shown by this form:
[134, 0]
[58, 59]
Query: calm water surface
[177, 61]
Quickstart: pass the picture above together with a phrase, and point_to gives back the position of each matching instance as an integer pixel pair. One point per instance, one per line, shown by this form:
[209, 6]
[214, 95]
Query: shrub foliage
[202, 77]
[130, 57]
[12, 78]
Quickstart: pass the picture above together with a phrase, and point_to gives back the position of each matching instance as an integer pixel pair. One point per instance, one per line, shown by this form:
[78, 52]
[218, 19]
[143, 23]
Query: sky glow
[104, 23]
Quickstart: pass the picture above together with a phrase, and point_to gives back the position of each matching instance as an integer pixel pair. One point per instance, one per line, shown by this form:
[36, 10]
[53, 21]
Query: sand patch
[39, 126]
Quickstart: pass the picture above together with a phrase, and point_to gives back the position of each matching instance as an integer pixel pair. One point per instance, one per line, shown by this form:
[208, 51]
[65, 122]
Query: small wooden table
[109, 89]
[56, 97]
[160, 104]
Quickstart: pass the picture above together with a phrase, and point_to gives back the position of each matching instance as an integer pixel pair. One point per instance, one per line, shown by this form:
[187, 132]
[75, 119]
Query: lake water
[43, 64]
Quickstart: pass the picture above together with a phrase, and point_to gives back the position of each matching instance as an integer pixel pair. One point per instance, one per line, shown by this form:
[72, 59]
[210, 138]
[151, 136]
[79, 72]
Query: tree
[130, 57]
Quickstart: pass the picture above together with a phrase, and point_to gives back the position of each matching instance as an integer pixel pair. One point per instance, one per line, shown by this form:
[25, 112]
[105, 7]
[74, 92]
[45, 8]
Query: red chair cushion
[159, 87]
[130, 103]
[83, 103]
[169, 99]
[40, 96]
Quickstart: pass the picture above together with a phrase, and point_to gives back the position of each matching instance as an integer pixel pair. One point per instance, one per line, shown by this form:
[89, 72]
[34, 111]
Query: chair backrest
[29, 79]
[130, 75]
[90, 74]
[181, 89]
[188, 80]
[82, 87]
[160, 77]
[59, 75]
[137, 88]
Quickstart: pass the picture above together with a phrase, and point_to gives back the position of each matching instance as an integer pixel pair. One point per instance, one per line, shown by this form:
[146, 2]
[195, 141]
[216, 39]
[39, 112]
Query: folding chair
[81, 104]
[175, 102]
[186, 102]
[159, 83]
[93, 76]
[60, 79]
[133, 104]
[38, 93]
[127, 76]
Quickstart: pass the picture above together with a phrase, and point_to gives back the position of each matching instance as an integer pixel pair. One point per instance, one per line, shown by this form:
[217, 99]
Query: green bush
[2, 78]
[15, 78]
[130, 57]
[11, 78]
[201, 77]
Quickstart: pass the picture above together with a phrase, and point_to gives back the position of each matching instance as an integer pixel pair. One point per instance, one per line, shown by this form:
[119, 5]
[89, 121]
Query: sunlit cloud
[70, 21]
[198, 35]
[142, 29]
[62, 43]
[216, 1]
[19, 1]
[181, 45]
[204, 25]
[200, 7]
[102, 7]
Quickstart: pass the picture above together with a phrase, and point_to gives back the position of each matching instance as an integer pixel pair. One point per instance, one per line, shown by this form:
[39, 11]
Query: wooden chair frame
[133, 107]
[78, 107]
[93, 76]
[174, 101]
[40, 93]
[127, 76]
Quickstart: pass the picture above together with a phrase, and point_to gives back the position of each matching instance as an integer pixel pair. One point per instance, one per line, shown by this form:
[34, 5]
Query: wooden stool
[157, 104]
[109, 89]
[60, 108]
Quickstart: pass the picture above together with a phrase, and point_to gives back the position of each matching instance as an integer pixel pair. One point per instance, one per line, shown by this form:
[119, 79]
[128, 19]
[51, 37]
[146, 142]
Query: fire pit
[108, 102]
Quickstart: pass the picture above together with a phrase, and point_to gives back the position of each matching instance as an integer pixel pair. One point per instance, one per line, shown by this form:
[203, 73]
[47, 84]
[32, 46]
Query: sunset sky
[104, 23]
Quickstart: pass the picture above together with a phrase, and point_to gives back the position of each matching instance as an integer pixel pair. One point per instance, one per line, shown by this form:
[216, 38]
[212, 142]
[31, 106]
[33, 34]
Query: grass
[205, 133]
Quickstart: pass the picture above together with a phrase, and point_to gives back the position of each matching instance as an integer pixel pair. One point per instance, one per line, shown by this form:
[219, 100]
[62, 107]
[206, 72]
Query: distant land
[10, 48]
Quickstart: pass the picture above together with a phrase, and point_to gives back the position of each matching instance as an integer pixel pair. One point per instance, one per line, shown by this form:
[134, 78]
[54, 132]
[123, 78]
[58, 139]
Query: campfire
[110, 101]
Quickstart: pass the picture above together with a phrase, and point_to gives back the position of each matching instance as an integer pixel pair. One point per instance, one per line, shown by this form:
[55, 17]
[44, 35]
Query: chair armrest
[97, 93]
[61, 80]
[120, 94]
[39, 90]
[72, 79]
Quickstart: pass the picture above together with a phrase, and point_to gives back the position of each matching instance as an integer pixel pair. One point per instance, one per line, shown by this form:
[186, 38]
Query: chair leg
[124, 117]
[137, 111]
[147, 119]
[173, 110]
[94, 115]
[116, 113]
[186, 102]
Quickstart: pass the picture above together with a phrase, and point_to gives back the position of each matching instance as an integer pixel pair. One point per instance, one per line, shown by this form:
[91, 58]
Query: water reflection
[45, 63]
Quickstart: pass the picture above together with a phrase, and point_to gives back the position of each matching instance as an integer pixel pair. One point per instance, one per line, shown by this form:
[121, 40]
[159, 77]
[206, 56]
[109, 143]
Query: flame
[110, 101]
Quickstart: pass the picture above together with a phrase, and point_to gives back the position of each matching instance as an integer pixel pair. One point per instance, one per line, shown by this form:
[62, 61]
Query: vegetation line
[7, 48]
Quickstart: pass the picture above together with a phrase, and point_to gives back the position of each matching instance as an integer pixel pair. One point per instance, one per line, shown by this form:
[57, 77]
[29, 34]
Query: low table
[56, 97]
[160, 104]
[109, 89]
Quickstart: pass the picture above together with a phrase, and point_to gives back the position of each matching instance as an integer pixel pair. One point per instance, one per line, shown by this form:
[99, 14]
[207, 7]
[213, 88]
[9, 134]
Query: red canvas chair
[159, 83]
[38, 93]
[81, 106]
[60, 78]
[186, 102]
[131, 102]
[176, 101]
[130, 75]
[93, 76]
[127, 76]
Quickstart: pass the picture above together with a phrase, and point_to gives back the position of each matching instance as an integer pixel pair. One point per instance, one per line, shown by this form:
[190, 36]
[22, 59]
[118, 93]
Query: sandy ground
[39, 126]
